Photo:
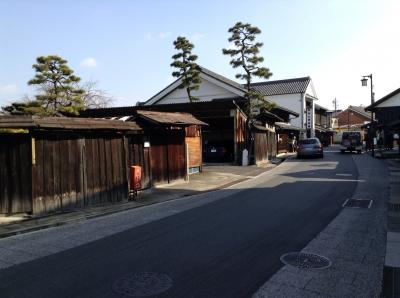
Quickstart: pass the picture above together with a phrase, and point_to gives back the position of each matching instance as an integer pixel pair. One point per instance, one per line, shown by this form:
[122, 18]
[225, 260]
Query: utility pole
[335, 104]
[364, 81]
[348, 119]
[334, 116]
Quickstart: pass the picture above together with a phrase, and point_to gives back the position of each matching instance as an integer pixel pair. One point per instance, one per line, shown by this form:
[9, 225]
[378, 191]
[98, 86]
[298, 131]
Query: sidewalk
[212, 178]
[354, 242]
[392, 259]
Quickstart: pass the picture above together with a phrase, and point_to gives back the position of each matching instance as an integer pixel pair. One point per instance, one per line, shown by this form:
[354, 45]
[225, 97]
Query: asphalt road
[227, 248]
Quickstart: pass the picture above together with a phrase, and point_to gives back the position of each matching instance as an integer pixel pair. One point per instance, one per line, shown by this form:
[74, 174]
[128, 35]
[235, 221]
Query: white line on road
[343, 174]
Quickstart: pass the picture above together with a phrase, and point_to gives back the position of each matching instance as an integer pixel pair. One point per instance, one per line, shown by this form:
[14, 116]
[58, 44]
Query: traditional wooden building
[55, 163]
[226, 125]
[182, 131]
[323, 125]
[387, 116]
[222, 104]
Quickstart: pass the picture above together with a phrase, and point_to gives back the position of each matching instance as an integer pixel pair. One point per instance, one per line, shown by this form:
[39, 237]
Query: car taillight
[317, 147]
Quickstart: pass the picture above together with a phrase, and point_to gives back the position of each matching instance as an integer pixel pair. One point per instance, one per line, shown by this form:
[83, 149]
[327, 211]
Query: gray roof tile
[360, 110]
[290, 86]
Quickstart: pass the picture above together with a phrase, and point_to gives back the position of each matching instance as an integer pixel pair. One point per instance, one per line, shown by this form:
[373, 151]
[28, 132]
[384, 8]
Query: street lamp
[364, 83]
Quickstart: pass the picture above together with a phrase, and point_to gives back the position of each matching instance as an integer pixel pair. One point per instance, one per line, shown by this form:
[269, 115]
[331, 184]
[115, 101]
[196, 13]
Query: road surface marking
[345, 175]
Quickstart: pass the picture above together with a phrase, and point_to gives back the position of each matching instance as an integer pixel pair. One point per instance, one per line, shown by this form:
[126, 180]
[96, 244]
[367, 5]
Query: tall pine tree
[58, 85]
[246, 55]
[188, 70]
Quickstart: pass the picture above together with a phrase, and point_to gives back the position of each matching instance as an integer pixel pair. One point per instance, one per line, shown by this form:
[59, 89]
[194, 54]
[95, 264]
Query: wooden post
[186, 162]
[167, 162]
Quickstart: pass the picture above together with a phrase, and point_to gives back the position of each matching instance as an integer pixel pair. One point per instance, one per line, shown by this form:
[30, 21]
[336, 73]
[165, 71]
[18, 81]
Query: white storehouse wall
[391, 102]
[210, 89]
[293, 102]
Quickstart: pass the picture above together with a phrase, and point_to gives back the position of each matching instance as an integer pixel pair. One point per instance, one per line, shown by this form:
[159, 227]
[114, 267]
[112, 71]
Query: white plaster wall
[292, 102]
[392, 102]
[311, 90]
[206, 92]
[313, 119]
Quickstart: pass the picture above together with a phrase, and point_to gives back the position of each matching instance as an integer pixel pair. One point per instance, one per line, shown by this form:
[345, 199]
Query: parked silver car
[310, 147]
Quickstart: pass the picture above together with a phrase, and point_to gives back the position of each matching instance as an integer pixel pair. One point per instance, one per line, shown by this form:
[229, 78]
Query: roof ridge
[217, 75]
[281, 81]
[383, 99]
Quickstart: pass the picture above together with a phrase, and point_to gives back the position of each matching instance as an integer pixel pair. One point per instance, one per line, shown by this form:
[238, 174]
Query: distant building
[333, 116]
[352, 118]
[323, 125]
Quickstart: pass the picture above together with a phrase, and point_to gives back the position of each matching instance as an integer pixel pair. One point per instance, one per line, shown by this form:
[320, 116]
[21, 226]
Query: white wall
[292, 102]
[391, 102]
[208, 90]
[311, 90]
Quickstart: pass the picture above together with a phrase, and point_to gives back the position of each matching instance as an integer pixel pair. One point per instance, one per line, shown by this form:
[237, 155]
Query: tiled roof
[206, 71]
[290, 86]
[287, 126]
[222, 78]
[65, 123]
[318, 107]
[360, 110]
[170, 118]
[383, 99]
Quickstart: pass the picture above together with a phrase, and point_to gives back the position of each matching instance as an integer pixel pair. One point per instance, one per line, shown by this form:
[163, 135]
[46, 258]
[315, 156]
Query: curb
[391, 286]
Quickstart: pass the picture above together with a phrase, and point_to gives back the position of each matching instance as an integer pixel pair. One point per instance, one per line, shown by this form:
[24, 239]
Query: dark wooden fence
[72, 171]
[140, 155]
[15, 174]
[168, 161]
[264, 146]
[46, 172]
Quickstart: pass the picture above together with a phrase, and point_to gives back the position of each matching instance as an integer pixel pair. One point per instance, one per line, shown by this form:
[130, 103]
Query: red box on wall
[136, 177]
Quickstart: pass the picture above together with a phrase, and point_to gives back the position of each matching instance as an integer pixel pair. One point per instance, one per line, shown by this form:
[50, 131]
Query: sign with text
[308, 118]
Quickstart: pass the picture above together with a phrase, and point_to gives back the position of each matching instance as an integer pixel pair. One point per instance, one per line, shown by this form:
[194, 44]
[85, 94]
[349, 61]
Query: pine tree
[58, 86]
[188, 70]
[26, 107]
[245, 54]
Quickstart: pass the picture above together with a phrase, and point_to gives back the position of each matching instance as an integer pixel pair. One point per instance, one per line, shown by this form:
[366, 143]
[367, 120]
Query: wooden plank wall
[167, 156]
[271, 145]
[194, 146]
[240, 136]
[195, 154]
[260, 147]
[105, 175]
[57, 175]
[74, 171]
[264, 146]
[15, 173]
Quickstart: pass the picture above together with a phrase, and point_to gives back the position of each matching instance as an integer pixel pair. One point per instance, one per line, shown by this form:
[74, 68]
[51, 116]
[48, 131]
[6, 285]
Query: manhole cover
[142, 284]
[357, 203]
[305, 260]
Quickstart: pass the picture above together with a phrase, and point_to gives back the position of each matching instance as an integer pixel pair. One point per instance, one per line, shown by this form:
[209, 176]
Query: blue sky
[126, 46]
